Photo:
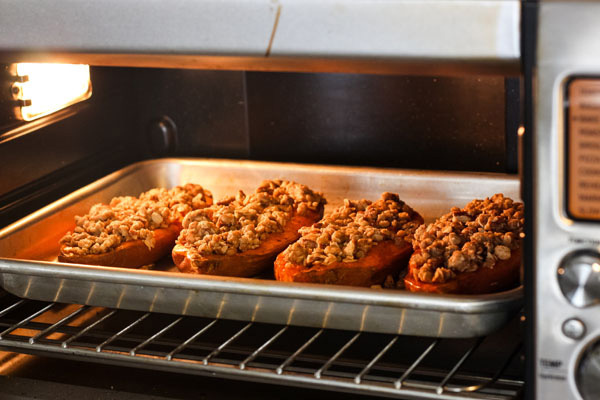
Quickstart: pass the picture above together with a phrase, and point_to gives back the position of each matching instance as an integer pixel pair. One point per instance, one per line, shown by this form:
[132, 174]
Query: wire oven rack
[359, 362]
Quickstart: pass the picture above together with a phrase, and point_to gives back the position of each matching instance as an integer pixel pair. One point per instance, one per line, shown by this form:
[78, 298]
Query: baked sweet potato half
[129, 254]
[250, 262]
[474, 250]
[503, 275]
[383, 259]
[358, 244]
[130, 232]
[241, 236]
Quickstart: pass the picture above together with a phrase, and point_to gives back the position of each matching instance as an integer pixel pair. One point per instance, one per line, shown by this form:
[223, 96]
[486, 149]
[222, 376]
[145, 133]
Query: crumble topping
[127, 218]
[240, 223]
[350, 231]
[464, 240]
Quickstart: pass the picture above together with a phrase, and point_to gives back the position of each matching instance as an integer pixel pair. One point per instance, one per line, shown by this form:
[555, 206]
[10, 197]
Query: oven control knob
[573, 328]
[579, 278]
[587, 375]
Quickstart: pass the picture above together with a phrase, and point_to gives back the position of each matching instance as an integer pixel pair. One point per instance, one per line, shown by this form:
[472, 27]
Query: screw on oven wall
[15, 90]
[162, 135]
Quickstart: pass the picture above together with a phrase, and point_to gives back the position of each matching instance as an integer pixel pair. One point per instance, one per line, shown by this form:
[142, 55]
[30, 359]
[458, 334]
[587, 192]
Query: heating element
[358, 362]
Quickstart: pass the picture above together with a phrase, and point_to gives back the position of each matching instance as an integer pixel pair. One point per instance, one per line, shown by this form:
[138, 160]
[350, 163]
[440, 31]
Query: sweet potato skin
[130, 254]
[251, 262]
[385, 258]
[504, 275]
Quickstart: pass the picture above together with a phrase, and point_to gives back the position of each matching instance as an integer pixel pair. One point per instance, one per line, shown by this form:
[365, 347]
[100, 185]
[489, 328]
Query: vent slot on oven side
[357, 362]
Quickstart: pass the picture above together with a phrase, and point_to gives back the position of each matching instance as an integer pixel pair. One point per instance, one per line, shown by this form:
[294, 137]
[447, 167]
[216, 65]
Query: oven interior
[438, 123]
[451, 123]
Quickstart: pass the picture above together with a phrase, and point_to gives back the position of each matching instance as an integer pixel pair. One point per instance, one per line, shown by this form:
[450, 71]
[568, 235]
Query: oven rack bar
[358, 362]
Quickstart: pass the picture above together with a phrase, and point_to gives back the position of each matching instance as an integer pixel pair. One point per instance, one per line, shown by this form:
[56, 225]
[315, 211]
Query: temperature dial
[579, 278]
[588, 372]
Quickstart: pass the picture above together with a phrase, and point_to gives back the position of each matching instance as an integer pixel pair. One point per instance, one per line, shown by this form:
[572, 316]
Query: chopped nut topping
[127, 218]
[350, 231]
[237, 224]
[464, 240]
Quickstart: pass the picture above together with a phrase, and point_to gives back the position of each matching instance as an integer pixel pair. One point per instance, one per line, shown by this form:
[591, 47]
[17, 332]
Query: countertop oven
[442, 101]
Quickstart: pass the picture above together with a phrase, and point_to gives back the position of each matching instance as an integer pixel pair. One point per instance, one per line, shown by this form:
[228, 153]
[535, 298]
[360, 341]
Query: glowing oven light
[42, 89]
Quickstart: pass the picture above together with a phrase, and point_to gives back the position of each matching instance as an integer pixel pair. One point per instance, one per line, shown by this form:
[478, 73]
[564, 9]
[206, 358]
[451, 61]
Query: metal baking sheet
[29, 248]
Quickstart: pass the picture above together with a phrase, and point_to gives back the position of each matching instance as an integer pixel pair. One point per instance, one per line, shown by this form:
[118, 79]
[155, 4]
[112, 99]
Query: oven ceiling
[431, 36]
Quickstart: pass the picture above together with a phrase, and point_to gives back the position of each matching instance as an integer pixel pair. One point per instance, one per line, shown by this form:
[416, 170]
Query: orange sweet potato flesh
[503, 275]
[385, 258]
[251, 262]
[130, 254]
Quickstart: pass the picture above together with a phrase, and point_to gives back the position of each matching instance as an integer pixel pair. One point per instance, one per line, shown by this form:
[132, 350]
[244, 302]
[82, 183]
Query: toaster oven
[440, 101]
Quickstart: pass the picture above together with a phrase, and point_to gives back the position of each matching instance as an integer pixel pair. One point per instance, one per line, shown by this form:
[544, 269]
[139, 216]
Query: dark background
[439, 123]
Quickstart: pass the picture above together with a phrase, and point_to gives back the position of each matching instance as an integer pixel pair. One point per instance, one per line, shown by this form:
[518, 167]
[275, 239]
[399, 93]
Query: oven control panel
[563, 199]
[582, 127]
[577, 272]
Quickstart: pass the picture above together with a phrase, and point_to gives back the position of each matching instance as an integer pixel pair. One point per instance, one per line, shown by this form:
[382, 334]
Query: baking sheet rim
[466, 304]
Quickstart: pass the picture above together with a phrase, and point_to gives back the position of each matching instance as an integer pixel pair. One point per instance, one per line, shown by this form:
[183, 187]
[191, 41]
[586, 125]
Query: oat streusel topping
[350, 231]
[127, 218]
[465, 239]
[241, 223]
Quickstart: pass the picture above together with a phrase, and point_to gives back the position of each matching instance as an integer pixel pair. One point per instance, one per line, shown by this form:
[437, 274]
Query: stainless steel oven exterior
[566, 326]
